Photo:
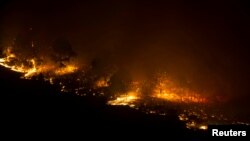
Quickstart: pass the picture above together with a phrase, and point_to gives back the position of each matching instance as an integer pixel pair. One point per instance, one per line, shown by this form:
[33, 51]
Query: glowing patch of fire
[203, 127]
[66, 70]
[14, 63]
[167, 90]
[180, 98]
[126, 99]
[27, 71]
[102, 82]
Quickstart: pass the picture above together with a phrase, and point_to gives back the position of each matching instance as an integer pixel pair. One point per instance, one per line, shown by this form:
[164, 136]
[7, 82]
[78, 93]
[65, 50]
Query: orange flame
[12, 62]
[125, 99]
[167, 90]
[102, 82]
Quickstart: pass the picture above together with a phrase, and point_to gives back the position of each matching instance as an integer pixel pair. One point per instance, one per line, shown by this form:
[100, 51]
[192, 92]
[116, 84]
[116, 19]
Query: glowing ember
[191, 125]
[51, 81]
[183, 117]
[125, 99]
[195, 125]
[203, 127]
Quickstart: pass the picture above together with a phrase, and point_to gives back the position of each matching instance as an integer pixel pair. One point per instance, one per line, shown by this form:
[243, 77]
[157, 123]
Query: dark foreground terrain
[34, 106]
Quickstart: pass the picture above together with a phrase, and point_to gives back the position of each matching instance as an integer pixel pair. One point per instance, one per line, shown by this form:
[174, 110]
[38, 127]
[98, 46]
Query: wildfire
[66, 70]
[13, 68]
[30, 67]
[102, 82]
[32, 70]
[9, 57]
[125, 99]
[180, 98]
[138, 94]
[19, 68]
[167, 90]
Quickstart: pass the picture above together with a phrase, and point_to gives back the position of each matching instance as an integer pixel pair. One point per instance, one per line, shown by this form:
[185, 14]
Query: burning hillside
[162, 58]
[154, 96]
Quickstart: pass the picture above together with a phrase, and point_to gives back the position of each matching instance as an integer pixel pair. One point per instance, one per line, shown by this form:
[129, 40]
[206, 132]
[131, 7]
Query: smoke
[201, 46]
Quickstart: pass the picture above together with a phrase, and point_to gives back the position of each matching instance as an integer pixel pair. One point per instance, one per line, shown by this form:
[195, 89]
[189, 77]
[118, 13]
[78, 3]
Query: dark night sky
[205, 42]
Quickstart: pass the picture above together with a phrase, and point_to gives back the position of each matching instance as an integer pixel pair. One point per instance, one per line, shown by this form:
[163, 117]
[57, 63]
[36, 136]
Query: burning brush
[135, 94]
